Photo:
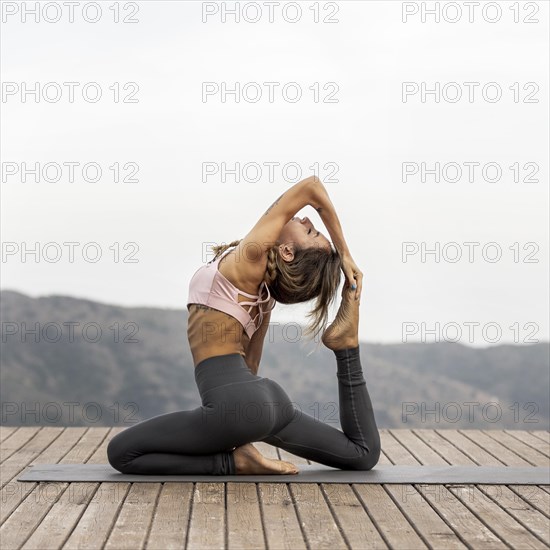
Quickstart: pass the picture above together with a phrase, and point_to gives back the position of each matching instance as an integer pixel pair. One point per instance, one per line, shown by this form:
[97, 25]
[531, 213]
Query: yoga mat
[310, 473]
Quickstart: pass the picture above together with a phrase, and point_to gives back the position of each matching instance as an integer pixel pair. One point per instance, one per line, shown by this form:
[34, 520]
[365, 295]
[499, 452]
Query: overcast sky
[353, 121]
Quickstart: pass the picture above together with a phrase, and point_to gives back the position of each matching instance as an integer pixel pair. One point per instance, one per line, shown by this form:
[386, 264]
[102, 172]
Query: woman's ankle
[348, 352]
[348, 364]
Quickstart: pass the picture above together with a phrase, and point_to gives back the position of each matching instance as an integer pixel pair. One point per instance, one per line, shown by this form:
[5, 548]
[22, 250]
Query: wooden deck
[191, 516]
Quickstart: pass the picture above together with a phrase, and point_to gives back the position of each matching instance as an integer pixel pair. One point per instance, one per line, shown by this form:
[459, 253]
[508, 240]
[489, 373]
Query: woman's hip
[231, 393]
[221, 370]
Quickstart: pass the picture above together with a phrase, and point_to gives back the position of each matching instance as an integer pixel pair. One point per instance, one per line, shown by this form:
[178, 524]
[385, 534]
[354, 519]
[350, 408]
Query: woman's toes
[248, 460]
[288, 467]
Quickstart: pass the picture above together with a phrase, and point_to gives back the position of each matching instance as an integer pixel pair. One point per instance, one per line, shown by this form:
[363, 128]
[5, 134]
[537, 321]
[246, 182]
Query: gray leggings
[240, 407]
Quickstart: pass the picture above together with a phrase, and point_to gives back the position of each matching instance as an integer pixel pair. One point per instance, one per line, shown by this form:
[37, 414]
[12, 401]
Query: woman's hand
[354, 276]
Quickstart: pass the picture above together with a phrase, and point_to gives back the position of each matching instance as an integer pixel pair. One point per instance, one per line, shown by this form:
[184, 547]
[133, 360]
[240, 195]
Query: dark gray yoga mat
[310, 473]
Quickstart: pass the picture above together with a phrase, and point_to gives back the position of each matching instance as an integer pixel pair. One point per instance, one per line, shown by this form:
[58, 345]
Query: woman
[282, 259]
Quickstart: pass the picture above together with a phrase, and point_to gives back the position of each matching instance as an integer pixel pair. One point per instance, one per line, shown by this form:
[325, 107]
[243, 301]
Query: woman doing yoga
[282, 259]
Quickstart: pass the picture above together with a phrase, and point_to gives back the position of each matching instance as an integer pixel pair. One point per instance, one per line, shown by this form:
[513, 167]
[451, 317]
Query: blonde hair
[314, 272]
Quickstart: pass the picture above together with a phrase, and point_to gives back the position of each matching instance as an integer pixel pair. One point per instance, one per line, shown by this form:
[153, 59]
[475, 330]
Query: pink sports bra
[210, 287]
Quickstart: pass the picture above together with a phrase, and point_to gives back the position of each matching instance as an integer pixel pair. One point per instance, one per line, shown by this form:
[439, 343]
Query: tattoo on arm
[266, 212]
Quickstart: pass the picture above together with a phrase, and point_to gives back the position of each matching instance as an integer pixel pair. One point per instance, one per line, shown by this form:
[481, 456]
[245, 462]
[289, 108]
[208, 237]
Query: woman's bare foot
[248, 460]
[343, 333]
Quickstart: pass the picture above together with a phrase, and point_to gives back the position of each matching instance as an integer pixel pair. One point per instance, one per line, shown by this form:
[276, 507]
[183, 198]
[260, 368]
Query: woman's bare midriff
[212, 332]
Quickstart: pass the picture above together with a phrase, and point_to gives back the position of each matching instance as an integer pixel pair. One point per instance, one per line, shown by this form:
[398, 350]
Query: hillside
[62, 376]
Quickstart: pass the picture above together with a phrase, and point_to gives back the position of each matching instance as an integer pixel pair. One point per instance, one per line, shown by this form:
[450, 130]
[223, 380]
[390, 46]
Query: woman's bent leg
[238, 407]
[235, 410]
[357, 447]
[171, 444]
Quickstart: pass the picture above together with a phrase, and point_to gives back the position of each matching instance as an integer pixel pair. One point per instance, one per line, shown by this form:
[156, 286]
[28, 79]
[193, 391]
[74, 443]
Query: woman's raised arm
[308, 192]
[268, 228]
[322, 203]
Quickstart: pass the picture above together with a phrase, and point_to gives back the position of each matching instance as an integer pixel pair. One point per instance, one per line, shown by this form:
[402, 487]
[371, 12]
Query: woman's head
[301, 266]
[301, 232]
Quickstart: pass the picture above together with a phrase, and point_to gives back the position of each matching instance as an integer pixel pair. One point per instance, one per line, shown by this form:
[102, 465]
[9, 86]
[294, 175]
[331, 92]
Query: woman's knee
[368, 459]
[117, 453]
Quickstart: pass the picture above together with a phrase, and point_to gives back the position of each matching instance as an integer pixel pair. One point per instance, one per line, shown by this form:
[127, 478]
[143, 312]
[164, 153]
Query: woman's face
[302, 232]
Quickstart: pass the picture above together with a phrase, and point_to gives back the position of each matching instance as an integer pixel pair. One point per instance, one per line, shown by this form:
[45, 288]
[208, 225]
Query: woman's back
[217, 324]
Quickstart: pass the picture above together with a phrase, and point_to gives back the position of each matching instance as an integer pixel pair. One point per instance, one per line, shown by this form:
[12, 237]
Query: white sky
[170, 132]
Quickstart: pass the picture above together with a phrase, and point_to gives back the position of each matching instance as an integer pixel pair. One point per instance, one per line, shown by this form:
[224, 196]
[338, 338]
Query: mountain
[75, 362]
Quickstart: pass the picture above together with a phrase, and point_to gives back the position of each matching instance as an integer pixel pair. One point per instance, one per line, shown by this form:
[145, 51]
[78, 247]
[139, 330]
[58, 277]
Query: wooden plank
[281, 524]
[529, 439]
[53, 521]
[521, 507]
[280, 521]
[541, 434]
[524, 451]
[6, 431]
[395, 528]
[358, 529]
[523, 511]
[394, 450]
[318, 524]
[207, 526]
[423, 453]
[132, 523]
[27, 453]
[131, 526]
[501, 452]
[497, 518]
[27, 503]
[495, 514]
[414, 506]
[30, 521]
[47, 442]
[444, 447]
[18, 440]
[468, 447]
[244, 516]
[335, 500]
[375, 497]
[534, 495]
[95, 524]
[244, 520]
[465, 524]
[169, 529]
